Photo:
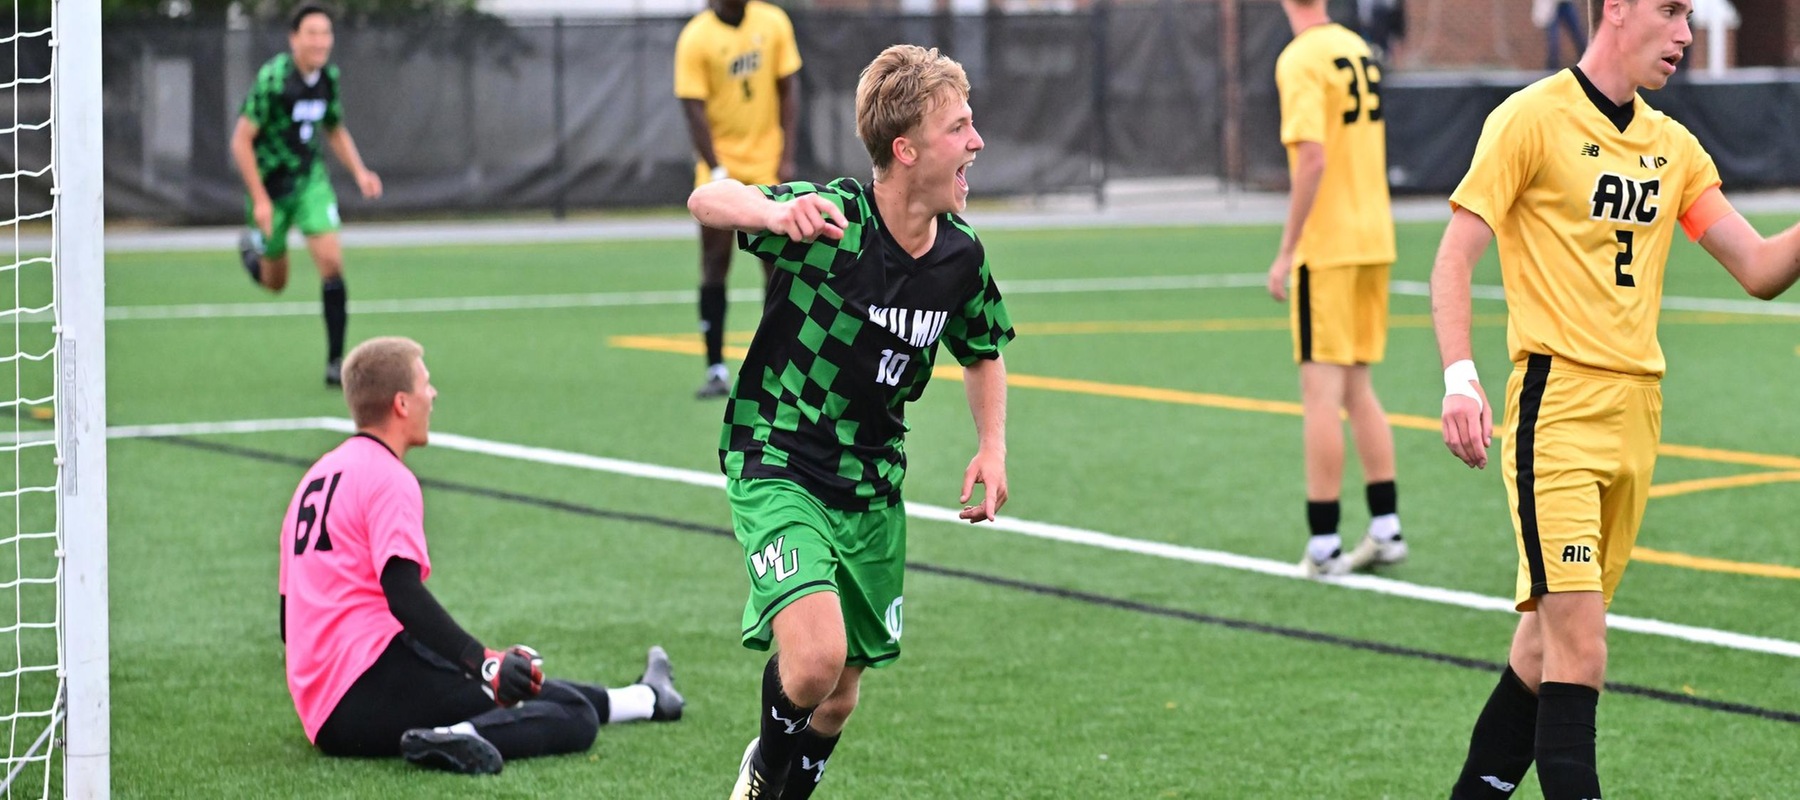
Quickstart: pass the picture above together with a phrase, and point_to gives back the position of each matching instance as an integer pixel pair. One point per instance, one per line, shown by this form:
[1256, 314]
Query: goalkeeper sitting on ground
[376, 667]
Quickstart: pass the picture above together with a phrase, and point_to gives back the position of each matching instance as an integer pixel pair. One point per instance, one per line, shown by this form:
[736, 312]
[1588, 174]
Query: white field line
[1154, 283]
[1036, 530]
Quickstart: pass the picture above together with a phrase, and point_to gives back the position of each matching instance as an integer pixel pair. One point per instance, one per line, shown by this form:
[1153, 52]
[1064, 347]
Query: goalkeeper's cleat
[250, 251]
[1337, 564]
[715, 386]
[1372, 552]
[660, 677]
[334, 372]
[752, 784]
[445, 749]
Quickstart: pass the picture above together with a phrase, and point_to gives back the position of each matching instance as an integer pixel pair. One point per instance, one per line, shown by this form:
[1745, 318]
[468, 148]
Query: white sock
[1319, 548]
[631, 703]
[463, 727]
[1385, 527]
[718, 371]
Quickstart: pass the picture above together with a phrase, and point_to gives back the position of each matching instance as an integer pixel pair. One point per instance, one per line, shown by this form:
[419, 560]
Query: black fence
[483, 116]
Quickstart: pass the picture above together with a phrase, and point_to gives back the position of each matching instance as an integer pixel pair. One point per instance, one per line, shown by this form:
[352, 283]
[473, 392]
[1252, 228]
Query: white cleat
[1372, 552]
[751, 784]
[1336, 565]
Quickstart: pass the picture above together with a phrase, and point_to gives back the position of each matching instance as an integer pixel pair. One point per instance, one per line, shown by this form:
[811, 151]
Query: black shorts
[407, 687]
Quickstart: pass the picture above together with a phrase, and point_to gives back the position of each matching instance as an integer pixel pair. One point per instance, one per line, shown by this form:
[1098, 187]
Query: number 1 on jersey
[308, 518]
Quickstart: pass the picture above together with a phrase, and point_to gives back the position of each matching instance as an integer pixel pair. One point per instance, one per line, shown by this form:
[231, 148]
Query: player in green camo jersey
[292, 108]
[867, 281]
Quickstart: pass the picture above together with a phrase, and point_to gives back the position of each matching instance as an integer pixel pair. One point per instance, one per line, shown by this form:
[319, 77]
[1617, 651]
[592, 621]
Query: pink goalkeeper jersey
[356, 508]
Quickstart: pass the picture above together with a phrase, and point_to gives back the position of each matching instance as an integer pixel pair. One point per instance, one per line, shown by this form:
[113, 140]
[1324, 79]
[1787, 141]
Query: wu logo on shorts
[1578, 553]
[918, 328]
[771, 558]
[1621, 199]
[893, 619]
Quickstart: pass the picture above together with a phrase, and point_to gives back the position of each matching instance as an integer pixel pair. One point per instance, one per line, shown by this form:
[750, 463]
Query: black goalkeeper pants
[412, 687]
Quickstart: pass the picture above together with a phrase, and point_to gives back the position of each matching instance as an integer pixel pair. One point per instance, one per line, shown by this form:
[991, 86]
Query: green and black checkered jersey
[848, 335]
[291, 118]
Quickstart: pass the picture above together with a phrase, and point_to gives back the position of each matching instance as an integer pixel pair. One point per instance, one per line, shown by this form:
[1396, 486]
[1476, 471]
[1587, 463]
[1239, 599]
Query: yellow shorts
[1579, 445]
[753, 174]
[1339, 315]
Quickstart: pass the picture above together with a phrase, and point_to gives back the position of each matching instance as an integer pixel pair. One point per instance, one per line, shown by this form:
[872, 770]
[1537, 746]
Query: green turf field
[1160, 412]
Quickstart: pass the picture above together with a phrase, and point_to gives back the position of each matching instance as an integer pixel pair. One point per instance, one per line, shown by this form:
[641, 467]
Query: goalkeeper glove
[513, 675]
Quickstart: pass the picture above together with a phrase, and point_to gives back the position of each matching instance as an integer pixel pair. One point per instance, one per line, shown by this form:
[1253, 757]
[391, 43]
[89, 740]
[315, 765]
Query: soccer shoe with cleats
[442, 748]
[715, 386]
[1372, 552]
[250, 250]
[660, 677]
[1337, 564]
[752, 784]
[334, 373]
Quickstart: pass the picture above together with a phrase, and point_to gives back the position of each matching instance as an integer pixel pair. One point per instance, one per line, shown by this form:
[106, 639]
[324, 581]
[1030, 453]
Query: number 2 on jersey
[1370, 76]
[1623, 260]
[308, 518]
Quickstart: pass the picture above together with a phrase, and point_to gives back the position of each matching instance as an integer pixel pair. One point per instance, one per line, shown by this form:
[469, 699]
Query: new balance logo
[1590, 150]
[1652, 162]
[793, 726]
[771, 558]
[1578, 553]
[817, 768]
[1499, 784]
[1621, 199]
[918, 328]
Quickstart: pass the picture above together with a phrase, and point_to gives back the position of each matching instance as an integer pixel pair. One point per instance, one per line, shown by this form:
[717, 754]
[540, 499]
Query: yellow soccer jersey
[1583, 196]
[734, 70]
[1331, 94]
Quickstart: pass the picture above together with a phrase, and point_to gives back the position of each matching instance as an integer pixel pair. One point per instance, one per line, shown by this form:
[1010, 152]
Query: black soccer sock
[712, 322]
[1322, 517]
[808, 766]
[1383, 498]
[558, 720]
[1500, 749]
[782, 723]
[337, 316]
[1565, 742]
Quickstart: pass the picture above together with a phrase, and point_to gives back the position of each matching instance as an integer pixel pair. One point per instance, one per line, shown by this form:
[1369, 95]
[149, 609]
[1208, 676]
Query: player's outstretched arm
[729, 205]
[1764, 267]
[243, 153]
[1468, 420]
[344, 148]
[985, 383]
[508, 676]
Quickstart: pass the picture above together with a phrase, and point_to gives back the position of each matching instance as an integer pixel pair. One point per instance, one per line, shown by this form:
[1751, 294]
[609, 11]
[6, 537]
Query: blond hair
[895, 93]
[374, 372]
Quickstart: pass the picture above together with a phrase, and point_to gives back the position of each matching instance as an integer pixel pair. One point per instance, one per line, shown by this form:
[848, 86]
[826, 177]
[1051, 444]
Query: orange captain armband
[1710, 208]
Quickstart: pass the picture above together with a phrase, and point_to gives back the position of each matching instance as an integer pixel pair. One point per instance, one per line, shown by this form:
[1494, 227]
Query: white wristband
[720, 173]
[1458, 378]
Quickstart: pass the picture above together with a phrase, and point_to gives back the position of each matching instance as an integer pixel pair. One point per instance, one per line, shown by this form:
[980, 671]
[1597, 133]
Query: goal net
[53, 658]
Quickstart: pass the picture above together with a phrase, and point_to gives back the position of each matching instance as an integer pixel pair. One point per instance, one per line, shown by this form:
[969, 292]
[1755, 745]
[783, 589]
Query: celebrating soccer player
[1335, 254]
[1583, 183]
[736, 68]
[376, 667]
[293, 107]
[868, 281]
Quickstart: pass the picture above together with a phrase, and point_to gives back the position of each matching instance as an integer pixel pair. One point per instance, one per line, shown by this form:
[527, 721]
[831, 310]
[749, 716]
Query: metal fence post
[559, 122]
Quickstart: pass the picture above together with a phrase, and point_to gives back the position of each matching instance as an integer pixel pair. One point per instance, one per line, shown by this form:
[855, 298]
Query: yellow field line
[686, 345]
[1728, 482]
[1714, 564]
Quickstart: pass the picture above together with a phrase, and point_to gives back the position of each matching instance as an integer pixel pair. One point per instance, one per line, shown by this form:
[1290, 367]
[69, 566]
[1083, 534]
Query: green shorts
[312, 205]
[795, 546]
